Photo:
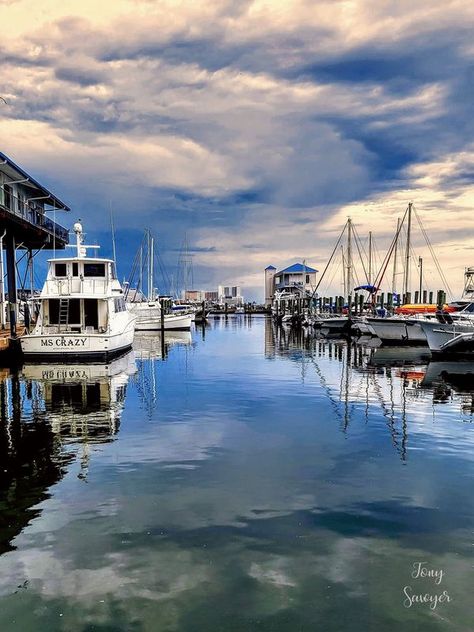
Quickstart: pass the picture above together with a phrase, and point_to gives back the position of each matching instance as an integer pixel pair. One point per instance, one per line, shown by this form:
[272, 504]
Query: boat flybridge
[82, 313]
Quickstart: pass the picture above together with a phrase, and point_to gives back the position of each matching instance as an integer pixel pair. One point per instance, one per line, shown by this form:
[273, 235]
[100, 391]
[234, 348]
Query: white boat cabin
[80, 296]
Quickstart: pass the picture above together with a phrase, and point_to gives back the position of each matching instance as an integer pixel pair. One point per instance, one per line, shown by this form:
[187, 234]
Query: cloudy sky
[252, 128]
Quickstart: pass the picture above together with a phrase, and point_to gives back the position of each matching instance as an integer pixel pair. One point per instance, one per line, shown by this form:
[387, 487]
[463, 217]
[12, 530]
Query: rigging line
[386, 261]
[330, 259]
[336, 270]
[438, 267]
[357, 241]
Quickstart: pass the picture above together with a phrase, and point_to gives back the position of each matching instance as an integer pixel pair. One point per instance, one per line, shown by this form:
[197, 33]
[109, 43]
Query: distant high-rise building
[230, 295]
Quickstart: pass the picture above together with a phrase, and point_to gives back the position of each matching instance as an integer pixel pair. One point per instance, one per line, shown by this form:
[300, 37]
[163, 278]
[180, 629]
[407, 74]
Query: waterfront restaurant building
[24, 225]
[298, 279]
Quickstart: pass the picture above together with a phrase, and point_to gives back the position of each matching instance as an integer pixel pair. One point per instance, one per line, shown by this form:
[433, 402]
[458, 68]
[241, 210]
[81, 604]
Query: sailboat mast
[152, 281]
[344, 277]
[349, 256]
[394, 276]
[406, 285]
[148, 291]
[369, 280]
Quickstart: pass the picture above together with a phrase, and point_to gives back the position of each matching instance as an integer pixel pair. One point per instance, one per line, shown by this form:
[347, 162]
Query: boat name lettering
[64, 342]
[64, 375]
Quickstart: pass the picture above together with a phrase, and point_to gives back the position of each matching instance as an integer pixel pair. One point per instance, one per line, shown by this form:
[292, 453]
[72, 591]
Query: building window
[307, 278]
[60, 269]
[94, 270]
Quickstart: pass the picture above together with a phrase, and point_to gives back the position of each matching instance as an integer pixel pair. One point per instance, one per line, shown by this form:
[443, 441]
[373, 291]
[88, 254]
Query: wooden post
[424, 296]
[162, 315]
[430, 300]
[439, 300]
[417, 296]
[11, 281]
[408, 297]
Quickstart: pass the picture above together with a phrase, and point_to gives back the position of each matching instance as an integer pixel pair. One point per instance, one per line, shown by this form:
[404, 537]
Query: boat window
[469, 308]
[60, 269]
[75, 269]
[94, 270]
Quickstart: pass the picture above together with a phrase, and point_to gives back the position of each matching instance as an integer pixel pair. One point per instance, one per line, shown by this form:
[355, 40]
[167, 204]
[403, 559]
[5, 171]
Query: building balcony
[30, 214]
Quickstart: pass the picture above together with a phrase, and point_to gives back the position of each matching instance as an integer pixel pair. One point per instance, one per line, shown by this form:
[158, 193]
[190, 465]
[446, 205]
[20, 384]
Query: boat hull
[396, 331]
[335, 326]
[181, 322]
[68, 347]
[438, 334]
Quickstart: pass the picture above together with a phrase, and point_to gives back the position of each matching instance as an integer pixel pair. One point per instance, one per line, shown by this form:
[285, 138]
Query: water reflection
[276, 481]
[81, 402]
[362, 378]
[43, 410]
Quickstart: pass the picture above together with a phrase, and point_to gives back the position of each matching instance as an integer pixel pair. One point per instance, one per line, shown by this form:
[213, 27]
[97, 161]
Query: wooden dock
[10, 350]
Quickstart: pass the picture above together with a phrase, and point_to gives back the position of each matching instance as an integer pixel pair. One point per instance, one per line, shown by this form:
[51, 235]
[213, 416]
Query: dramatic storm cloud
[253, 128]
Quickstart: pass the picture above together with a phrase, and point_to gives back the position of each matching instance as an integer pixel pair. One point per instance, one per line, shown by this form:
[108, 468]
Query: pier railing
[31, 212]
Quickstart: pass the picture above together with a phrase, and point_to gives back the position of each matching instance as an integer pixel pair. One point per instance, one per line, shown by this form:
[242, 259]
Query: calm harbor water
[238, 478]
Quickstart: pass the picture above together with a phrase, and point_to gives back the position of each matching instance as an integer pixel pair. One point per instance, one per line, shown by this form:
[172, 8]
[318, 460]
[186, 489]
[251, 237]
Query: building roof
[297, 267]
[14, 171]
[270, 268]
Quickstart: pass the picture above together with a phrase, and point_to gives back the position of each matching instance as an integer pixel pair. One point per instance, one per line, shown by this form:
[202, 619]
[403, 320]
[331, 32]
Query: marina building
[298, 279]
[24, 225]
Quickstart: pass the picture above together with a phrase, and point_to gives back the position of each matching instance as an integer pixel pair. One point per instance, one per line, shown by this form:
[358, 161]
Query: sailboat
[82, 313]
[150, 310]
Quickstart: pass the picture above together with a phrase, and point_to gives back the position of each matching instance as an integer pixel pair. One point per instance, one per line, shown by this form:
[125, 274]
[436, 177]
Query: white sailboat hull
[397, 331]
[171, 322]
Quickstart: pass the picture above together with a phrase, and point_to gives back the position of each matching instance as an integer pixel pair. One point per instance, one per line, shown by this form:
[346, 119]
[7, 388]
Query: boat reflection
[44, 412]
[83, 402]
[152, 345]
[401, 384]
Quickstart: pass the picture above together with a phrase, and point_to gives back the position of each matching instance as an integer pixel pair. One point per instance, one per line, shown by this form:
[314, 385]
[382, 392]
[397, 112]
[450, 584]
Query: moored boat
[148, 318]
[82, 313]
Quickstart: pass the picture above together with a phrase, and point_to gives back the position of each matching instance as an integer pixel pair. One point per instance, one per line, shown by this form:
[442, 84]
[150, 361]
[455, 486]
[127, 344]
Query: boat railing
[32, 212]
[75, 285]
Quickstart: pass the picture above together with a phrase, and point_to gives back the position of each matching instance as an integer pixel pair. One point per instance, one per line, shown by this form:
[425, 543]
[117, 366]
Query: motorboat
[148, 318]
[82, 311]
[450, 333]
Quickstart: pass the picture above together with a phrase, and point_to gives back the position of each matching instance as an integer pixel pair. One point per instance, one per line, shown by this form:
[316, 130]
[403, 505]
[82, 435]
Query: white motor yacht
[82, 313]
[440, 333]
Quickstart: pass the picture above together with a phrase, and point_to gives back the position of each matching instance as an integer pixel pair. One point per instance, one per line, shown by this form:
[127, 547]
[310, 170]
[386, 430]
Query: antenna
[112, 228]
